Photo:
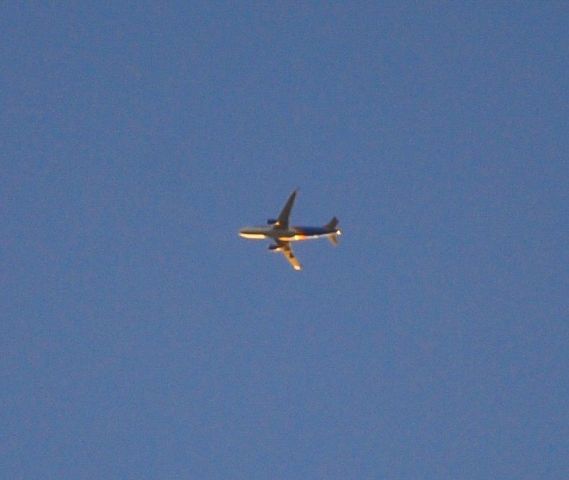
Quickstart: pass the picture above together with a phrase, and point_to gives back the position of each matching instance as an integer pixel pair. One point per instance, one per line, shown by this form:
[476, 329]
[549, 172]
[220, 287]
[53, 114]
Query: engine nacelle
[271, 221]
[275, 248]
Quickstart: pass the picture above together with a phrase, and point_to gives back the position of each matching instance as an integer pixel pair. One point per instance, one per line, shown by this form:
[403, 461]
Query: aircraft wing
[282, 221]
[290, 256]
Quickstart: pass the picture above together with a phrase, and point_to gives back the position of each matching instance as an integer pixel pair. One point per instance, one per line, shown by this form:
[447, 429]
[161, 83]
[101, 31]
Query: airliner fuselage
[291, 234]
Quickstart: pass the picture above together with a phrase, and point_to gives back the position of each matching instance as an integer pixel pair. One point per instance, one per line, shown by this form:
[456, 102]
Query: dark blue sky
[141, 338]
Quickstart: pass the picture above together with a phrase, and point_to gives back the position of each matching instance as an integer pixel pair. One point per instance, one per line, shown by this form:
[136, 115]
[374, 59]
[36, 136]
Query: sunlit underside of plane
[282, 234]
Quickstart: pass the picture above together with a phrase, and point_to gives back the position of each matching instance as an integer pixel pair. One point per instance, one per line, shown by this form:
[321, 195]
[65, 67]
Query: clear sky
[141, 338]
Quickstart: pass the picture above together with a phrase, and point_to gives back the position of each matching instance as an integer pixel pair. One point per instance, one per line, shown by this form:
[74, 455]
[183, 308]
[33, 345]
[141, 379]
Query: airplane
[282, 234]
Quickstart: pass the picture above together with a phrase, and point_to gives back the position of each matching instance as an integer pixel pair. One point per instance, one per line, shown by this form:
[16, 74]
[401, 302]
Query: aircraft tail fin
[332, 223]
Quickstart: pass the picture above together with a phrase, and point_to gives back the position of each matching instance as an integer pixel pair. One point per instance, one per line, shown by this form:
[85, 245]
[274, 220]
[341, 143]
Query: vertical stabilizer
[332, 223]
[334, 231]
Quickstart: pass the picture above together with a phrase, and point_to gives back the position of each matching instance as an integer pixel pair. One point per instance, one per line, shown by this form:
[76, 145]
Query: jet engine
[275, 248]
[271, 221]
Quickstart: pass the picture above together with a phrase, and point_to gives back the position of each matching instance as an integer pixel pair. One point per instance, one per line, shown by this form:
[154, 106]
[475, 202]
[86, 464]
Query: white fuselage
[291, 234]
